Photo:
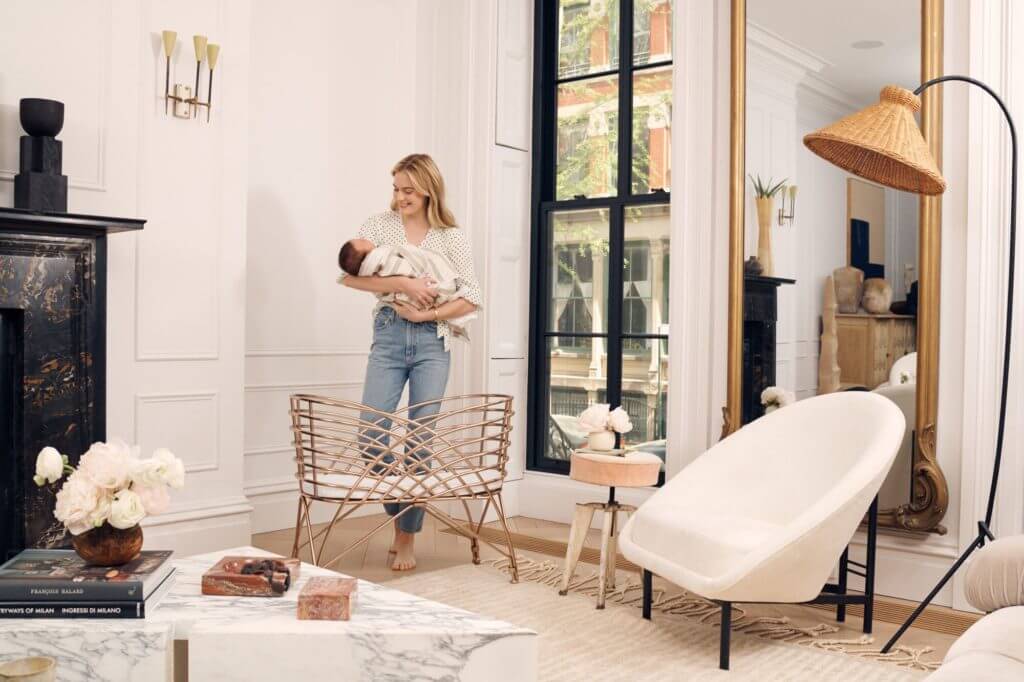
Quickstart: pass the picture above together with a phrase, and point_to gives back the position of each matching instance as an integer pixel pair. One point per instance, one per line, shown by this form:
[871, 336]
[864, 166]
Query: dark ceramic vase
[108, 546]
[42, 117]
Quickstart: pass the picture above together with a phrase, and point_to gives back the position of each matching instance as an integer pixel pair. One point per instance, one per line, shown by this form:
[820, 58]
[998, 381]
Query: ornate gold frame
[930, 498]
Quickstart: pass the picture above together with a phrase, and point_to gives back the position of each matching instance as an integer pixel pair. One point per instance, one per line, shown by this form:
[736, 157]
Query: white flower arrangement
[601, 417]
[773, 397]
[112, 484]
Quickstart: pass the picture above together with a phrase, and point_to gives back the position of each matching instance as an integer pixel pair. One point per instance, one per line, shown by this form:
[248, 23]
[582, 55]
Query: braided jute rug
[578, 642]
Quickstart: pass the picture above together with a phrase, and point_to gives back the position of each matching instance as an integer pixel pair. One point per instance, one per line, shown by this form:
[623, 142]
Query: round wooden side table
[632, 470]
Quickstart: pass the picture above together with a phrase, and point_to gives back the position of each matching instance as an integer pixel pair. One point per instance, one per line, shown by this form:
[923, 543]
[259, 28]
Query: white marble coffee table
[392, 636]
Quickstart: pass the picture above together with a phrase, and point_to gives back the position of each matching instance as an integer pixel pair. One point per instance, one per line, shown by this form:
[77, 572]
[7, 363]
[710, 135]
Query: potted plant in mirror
[764, 198]
[103, 500]
[601, 423]
[773, 397]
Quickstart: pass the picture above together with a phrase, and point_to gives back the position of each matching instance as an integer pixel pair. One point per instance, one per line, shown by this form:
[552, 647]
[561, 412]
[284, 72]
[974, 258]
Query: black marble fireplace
[52, 357]
[760, 313]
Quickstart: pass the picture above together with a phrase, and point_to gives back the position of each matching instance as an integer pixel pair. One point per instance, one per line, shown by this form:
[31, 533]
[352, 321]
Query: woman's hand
[407, 312]
[420, 290]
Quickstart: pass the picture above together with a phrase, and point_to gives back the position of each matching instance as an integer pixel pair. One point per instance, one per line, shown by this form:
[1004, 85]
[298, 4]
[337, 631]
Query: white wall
[175, 291]
[326, 125]
[361, 85]
[993, 54]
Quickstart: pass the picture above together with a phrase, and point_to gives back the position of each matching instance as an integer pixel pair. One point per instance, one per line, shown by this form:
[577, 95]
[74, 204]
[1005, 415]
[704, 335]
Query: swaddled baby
[360, 257]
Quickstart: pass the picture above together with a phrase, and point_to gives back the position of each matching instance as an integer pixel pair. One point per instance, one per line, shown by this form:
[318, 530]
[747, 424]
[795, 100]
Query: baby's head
[352, 254]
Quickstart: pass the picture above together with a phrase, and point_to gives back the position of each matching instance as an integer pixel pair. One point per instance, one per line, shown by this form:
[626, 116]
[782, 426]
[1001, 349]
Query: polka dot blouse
[386, 229]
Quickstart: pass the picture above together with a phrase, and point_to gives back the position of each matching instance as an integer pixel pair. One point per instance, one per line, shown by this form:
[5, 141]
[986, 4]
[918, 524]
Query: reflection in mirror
[830, 295]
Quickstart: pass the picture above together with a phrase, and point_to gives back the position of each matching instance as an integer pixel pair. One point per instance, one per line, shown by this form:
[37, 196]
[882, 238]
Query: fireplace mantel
[68, 224]
[53, 306]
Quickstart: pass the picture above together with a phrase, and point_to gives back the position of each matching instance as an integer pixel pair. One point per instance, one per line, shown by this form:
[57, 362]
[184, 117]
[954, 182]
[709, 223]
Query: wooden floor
[436, 549]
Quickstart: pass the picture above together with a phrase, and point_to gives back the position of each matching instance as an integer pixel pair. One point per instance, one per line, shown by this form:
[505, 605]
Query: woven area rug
[578, 642]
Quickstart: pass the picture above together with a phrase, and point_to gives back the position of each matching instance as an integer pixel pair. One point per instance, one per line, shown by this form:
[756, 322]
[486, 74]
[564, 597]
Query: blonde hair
[426, 179]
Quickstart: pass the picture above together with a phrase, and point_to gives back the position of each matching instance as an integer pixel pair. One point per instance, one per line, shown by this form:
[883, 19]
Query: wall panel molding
[298, 386]
[202, 148]
[142, 400]
[304, 352]
[514, 74]
[97, 180]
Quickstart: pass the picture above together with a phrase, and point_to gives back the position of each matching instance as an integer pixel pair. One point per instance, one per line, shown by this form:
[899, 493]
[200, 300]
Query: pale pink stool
[632, 470]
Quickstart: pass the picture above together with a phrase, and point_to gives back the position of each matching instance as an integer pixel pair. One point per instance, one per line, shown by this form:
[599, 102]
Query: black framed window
[600, 243]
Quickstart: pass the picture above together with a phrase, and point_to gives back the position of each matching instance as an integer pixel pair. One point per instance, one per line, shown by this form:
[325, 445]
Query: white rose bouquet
[773, 397]
[112, 484]
[602, 423]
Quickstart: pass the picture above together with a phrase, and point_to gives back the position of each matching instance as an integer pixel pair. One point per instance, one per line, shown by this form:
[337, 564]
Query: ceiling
[827, 28]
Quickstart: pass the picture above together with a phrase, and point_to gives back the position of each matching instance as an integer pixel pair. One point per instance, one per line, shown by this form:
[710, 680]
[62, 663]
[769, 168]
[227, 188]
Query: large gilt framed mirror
[834, 281]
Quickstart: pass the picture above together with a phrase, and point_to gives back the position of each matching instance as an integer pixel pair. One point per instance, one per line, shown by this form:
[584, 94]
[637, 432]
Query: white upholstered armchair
[764, 515]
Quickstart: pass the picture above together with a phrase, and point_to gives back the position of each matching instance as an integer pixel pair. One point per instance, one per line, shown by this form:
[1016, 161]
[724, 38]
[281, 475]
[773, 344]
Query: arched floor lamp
[884, 144]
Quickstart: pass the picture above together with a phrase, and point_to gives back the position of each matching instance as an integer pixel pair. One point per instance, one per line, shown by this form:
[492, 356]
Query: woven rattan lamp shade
[882, 143]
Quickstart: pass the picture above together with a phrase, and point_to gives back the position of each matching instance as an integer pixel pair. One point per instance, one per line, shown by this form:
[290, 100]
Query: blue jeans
[403, 352]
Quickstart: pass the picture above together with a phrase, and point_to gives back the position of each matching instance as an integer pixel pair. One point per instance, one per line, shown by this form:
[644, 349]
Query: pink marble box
[327, 598]
[250, 576]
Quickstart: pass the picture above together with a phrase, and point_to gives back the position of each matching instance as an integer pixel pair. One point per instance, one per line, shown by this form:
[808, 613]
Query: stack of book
[57, 583]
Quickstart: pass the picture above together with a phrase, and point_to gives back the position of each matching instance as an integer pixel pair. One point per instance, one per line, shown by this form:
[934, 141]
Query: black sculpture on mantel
[39, 185]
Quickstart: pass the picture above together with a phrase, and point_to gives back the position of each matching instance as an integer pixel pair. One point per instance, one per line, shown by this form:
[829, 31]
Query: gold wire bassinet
[350, 455]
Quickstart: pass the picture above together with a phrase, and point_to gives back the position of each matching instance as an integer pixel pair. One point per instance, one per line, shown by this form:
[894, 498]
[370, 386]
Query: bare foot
[405, 560]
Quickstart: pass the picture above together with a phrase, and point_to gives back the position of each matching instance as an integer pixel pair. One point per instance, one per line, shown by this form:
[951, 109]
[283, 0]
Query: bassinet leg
[298, 527]
[314, 555]
[512, 562]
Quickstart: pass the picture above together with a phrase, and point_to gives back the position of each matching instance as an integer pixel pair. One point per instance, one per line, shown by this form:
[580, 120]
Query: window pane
[652, 31]
[579, 285]
[587, 157]
[645, 273]
[576, 377]
[652, 130]
[588, 37]
[645, 394]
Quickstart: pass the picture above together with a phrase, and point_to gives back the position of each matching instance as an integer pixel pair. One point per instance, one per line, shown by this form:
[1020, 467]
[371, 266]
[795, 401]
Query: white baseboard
[906, 567]
[215, 525]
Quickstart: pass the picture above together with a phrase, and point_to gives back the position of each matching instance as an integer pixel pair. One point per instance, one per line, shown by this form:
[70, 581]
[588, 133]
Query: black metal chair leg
[725, 630]
[844, 565]
[647, 583]
[869, 568]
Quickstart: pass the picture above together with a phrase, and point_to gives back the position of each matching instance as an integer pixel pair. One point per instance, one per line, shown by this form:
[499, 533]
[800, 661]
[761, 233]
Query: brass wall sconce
[783, 216]
[186, 99]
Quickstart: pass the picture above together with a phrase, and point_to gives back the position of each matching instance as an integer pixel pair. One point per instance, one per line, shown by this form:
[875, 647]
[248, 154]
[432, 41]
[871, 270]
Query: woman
[411, 344]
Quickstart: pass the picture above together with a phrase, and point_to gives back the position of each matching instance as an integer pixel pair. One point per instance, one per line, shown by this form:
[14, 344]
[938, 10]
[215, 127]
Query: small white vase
[601, 440]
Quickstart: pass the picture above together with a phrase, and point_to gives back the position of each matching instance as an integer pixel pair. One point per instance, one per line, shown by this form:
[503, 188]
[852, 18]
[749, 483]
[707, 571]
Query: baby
[359, 257]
